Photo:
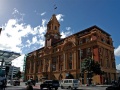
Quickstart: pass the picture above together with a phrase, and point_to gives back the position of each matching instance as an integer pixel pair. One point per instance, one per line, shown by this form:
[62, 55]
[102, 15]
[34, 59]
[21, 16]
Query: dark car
[115, 86]
[50, 84]
[15, 82]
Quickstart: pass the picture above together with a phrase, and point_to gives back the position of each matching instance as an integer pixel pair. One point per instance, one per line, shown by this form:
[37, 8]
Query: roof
[8, 56]
[90, 28]
[53, 19]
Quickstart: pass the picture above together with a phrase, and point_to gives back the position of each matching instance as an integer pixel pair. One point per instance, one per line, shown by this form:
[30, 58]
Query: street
[37, 87]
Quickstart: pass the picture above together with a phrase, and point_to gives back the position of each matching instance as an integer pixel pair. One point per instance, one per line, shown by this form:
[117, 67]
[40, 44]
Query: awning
[8, 56]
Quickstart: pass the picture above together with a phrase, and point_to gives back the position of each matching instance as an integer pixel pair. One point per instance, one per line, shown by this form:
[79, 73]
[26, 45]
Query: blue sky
[24, 22]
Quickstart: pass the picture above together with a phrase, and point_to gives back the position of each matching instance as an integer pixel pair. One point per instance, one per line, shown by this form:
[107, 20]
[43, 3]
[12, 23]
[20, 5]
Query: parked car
[32, 82]
[15, 82]
[115, 86]
[50, 84]
[69, 84]
[3, 80]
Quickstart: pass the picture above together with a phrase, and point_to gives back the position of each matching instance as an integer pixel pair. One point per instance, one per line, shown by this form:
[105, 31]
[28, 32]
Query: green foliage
[18, 74]
[90, 65]
[70, 76]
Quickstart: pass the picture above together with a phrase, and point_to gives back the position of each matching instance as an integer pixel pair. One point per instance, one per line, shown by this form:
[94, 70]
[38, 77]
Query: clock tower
[52, 35]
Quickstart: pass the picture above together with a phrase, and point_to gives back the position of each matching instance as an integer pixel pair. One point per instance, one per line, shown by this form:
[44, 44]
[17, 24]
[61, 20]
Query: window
[80, 42]
[81, 53]
[49, 27]
[70, 57]
[103, 40]
[101, 62]
[113, 65]
[61, 62]
[87, 39]
[70, 60]
[66, 81]
[88, 50]
[41, 67]
[54, 62]
[108, 63]
[55, 50]
[55, 27]
[70, 81]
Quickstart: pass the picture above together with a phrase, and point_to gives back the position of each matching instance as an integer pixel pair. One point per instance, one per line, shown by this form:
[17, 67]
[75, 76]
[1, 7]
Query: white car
[69, 84]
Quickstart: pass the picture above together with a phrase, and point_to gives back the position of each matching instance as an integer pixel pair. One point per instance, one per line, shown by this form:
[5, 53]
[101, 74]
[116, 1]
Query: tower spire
[52, 35]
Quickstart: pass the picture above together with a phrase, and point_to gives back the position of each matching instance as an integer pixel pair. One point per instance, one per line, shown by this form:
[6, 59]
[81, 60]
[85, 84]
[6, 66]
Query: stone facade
[60, 56]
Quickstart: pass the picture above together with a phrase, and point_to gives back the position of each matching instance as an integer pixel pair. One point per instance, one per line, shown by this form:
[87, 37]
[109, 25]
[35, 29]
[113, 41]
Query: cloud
[66, 32]
[19, 62]
[68, 28]
[117, 51]
[118, 67]
[20, 37]
[43, 13]
[60, 17]
[17, 15]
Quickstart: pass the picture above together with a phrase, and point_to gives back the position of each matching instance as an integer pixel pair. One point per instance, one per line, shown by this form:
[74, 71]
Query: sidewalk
[95, 85]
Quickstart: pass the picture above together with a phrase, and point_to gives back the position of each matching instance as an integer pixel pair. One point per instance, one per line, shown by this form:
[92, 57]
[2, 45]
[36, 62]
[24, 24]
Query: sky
[23, 22]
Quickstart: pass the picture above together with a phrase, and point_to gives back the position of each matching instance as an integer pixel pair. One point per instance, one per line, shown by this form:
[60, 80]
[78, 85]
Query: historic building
[62, 56]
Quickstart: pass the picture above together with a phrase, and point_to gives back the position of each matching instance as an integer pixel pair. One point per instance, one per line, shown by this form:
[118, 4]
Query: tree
[69, 76]
[18, 74]
[91, 67]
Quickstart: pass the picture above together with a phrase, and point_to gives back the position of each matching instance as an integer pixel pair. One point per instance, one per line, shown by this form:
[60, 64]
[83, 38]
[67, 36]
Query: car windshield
[75, 81]
[55, 81]
[48, 82]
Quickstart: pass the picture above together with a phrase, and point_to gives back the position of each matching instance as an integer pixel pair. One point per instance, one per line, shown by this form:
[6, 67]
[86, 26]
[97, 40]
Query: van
[69, 84]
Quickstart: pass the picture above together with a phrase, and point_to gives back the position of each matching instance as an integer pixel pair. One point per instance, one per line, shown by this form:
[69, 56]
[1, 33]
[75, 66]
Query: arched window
[70, 60]
[54, 62]
[55, 27]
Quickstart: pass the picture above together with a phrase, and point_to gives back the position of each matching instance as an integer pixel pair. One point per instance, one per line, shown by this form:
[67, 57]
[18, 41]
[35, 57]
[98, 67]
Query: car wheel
[70, 88]
[75, 89]
[56, 88]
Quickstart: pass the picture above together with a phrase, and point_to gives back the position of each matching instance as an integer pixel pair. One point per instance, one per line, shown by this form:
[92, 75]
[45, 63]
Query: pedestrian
[29, 86]
[105, 81]
[1, 87]
[4, 84]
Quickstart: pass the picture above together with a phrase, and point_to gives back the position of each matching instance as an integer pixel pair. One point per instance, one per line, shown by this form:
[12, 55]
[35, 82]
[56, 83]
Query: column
[64, 61]
[30, 68]
[74, 60]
